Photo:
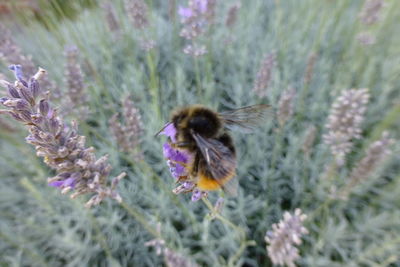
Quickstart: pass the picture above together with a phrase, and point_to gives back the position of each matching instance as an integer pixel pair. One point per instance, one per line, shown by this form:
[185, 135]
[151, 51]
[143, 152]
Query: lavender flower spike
[63, 150]
[344, 122]
[283, 238]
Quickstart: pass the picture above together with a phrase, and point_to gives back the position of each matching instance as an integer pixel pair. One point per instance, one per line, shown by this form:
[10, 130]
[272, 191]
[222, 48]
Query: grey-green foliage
[40, 227]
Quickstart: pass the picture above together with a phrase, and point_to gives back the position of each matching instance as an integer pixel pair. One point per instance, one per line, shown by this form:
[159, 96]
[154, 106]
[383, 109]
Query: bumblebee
[204, 133]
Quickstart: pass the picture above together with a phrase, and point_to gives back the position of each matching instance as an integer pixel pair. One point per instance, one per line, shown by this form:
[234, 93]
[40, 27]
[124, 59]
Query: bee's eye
[179, 118]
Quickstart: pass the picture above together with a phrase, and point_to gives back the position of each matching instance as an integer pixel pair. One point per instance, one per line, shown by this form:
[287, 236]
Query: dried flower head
[176, 160]
[344, 122]
[137, 12]
[76, 166]
[147, 44]
[111, 18]
[171, 257]
[371, 11]
[365, 38]
[283, 238]
[312, 58]
[12, 54]
[232, 15]
[174, 259]
[128, 135]
[309, 139]
[264, 75]
[195, 50]
[76, 103]
[375, 154]
[158, 243]
[285, 109]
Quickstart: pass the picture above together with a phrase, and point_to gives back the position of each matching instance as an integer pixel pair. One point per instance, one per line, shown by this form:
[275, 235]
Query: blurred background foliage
[41, 227]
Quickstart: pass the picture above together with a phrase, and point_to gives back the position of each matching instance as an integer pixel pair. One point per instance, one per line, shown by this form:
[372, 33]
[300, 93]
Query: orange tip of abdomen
[208, 184]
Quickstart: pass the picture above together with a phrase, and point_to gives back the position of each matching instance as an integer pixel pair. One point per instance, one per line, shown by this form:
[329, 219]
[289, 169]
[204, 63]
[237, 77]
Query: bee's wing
[231, 187]
[221, 161]
[244, 119]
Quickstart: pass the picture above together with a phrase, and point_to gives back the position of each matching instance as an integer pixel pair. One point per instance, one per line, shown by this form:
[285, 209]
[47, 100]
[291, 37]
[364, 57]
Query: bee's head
[198, 119]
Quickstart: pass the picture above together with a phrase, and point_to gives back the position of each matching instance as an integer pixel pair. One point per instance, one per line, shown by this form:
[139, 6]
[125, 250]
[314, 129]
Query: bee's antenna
[165, 126]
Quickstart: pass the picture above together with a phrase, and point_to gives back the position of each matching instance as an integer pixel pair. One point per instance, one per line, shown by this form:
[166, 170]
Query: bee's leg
[180, 144]
[179, 162]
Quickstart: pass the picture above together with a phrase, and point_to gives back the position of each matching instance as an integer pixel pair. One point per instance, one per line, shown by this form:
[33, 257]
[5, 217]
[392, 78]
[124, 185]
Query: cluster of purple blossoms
[63, 149]
[176, 160]
[196, 18]
[284, 237]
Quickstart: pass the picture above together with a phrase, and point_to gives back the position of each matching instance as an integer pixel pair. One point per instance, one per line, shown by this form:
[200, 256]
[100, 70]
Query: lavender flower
[366, 39]
[59, 144]
[176, 160]
[375, 154]
[285, 109]
[174, 259]
[371, 11]
[264, 75]
[171, 257]
[283, 238]
[137, 13]
[128, 135]
[157, 243]
[344, 122]
[196, 18]
[310, 68]
[309, 139]
[195, 50]
[111, 18]
[232, 15]
[76, 103]
[12, 54]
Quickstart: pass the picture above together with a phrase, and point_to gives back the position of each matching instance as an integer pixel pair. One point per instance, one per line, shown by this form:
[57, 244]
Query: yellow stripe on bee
[207, 184]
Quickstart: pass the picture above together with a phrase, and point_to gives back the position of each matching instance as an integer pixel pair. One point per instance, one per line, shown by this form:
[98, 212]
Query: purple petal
[197, 195]
[179, 171]
[170, 131]
[185, 12]
[168, 151]
[17, 69]
[70, 182]
[56, 183]
[202, 5]
[175, 154]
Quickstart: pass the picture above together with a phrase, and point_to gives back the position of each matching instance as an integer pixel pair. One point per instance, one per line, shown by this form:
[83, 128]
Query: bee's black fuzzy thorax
[198, 119]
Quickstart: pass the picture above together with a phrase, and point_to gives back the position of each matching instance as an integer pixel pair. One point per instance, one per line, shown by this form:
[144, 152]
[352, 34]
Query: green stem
[240, 251]
[140, 218]
[198, 80]
[242, 234]
[101, 238]
[153, 84]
